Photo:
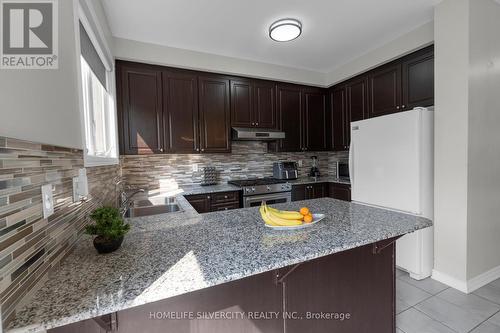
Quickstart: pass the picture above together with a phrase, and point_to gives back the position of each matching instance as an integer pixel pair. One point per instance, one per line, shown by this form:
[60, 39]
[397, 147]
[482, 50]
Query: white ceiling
[334, 31]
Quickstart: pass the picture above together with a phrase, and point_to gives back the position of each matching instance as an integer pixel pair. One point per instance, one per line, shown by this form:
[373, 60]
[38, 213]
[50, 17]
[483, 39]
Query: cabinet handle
[197, 149]
[161, 149]
[403, 106]
[202, 149]
[397, 107]
[208, 197]
[225, 197]
[253, 124]
[256, 124]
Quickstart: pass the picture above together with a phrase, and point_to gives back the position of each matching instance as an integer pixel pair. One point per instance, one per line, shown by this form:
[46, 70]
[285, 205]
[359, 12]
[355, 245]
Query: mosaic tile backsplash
[30, 246]
[249, 159]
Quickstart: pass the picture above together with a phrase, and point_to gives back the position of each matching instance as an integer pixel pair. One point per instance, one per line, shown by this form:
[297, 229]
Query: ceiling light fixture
[285, 30]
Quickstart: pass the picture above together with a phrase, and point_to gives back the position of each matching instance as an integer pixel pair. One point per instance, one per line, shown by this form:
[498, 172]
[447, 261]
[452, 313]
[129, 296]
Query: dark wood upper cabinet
[265, 104]
[214, 112]
[356, 104]
[385, 90]
[253, 104]
[418, 79]
[242, 113]
[316, 117]
[289, 104]
[338, 116]
[141, 116]
[180, 93]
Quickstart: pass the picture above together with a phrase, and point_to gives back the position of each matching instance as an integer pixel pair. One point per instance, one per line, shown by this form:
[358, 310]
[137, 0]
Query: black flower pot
[104, 245]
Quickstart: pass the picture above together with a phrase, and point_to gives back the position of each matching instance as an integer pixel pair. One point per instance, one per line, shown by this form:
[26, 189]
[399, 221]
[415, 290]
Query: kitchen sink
[152, 206]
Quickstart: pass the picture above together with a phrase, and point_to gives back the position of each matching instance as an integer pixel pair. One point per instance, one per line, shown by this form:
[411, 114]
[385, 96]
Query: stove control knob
[268, 188]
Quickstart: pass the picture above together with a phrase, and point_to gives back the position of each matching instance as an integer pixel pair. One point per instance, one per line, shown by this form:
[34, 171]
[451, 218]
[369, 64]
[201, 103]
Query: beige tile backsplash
[31, 246]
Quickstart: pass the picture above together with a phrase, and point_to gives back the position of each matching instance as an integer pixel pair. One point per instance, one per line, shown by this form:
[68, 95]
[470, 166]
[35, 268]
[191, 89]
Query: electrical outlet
[47, 200]
[300, 163]
[195, 167]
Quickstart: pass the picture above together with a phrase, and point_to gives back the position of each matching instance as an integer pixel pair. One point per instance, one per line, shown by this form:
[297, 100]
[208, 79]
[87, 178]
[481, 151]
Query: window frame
[99, 42]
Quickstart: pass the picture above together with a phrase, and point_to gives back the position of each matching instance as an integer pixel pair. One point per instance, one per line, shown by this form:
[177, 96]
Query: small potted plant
[109, 228]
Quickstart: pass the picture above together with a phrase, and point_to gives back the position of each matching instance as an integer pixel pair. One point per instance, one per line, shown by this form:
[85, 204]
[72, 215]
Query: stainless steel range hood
[256, 134]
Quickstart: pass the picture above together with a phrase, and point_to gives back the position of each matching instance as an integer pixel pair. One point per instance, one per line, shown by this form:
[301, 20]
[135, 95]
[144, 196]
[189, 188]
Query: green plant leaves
[108, 223]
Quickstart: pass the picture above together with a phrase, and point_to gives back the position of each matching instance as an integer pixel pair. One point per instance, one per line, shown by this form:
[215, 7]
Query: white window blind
[98, 107]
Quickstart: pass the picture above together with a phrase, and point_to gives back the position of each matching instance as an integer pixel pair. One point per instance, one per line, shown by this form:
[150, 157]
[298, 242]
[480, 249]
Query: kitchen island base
[350, 291]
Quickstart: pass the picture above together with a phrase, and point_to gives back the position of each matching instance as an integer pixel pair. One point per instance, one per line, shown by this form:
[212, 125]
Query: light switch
[47, 200]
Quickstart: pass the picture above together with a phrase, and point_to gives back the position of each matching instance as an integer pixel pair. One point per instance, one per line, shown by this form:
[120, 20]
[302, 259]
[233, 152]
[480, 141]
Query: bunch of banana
[280, 218]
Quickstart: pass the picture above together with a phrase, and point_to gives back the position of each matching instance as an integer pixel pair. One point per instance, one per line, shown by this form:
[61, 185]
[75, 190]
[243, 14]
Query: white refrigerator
[391, 166]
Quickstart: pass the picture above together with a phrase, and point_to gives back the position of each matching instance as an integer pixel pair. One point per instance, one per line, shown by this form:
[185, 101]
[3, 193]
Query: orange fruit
[304, 211]
[308, 218]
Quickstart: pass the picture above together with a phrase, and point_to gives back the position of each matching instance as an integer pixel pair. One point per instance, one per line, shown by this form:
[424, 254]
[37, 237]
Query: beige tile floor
[429, 306]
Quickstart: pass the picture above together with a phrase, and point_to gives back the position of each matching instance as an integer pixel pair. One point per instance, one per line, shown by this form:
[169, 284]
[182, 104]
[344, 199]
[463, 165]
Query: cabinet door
[340, 191]
[299, 192]
[140, 110]
[385, 90]
[356, 106]
[265, 104]
[418, 79]
[180, 93]
[318, 191]
[315, 120]
[339, 127]
[290, 114]
[214, 114]
[201, 203]
[242, 104]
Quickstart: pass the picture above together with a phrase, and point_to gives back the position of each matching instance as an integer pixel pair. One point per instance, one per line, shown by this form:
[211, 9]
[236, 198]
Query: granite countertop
[172, 254]
[312, 180]
[198, 189]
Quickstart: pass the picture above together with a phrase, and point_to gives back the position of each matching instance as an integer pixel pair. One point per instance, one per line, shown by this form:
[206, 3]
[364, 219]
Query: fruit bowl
[288, 220]
[316, 219]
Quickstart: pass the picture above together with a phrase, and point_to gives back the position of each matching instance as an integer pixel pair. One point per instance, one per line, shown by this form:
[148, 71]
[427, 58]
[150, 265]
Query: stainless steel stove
[270, 190]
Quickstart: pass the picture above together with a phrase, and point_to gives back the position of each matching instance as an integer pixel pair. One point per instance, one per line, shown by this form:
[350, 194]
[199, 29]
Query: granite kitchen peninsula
[230, 262]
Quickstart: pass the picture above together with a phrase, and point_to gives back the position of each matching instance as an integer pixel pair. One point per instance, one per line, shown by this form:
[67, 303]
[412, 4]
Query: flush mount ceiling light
[285, 30]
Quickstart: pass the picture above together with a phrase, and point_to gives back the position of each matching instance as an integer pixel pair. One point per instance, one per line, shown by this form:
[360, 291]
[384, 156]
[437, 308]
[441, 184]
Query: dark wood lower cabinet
[309, 191]
[200, 202]
[340, 191]
[214, 202]
[355, 289]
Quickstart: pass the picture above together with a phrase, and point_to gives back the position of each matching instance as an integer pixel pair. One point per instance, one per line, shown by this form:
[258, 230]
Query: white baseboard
[450, 281]
[469, 285]
[483, 279]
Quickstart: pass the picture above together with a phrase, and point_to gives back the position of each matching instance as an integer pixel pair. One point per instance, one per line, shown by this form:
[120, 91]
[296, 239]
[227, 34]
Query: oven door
[273, 198]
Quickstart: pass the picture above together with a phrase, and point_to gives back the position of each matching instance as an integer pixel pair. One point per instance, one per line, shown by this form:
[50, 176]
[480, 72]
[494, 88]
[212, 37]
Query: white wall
[405, 44]
[484, 139]
[163, 55]
[451, 33]
[42, 105]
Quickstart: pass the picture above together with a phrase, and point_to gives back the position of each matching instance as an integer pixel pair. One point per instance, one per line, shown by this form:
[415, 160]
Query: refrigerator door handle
[351, 167]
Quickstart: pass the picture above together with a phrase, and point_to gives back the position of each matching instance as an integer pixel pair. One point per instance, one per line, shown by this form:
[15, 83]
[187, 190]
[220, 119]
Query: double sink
[152, 206]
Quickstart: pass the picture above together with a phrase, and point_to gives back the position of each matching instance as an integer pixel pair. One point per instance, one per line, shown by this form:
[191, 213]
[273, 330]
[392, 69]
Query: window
[99, 116]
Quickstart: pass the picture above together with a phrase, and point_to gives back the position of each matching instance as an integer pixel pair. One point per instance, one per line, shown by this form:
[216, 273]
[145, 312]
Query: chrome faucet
[125, 199]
